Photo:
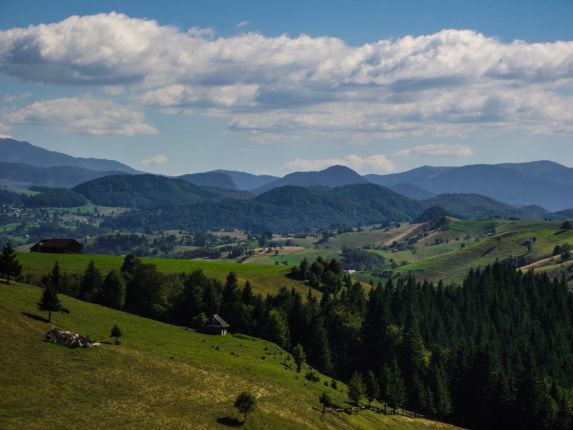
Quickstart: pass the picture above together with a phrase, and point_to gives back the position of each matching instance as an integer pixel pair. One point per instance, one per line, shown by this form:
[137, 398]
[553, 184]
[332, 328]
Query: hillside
[247, 181]
[491, 241]
[162, 376]
[475, 206]
[543, 183]
[281, 210]
[210, 179]
[292, 209]
[334, 176]
[22, 175]
[14, 151]
[265, 278]
[141, 191]
[412, 191]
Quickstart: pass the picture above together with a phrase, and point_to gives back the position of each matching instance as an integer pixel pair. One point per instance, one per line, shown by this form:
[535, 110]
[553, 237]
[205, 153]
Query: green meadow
[160, 377]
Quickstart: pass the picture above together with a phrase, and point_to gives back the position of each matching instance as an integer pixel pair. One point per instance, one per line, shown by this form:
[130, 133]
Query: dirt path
[402, 234]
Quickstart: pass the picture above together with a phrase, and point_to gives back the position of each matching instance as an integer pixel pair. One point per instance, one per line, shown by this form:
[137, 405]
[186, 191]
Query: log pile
[68, 338]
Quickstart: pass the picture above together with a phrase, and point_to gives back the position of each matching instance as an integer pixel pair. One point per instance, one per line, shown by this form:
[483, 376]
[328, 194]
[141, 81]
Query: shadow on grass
[35, 317]
[230, 422]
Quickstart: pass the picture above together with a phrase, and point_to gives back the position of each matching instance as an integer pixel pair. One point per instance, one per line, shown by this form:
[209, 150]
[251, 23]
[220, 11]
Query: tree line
[494, 352]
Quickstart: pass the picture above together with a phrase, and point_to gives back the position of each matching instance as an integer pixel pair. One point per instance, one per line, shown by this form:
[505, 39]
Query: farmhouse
[216, 325]
[58, 246]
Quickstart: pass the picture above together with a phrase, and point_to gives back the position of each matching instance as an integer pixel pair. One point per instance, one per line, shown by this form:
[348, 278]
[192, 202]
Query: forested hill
[142, 191]
[291, 209]
[211, 179]
[474, 206]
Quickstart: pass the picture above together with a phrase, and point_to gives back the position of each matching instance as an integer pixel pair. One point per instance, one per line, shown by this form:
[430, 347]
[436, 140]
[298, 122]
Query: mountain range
[533, 187]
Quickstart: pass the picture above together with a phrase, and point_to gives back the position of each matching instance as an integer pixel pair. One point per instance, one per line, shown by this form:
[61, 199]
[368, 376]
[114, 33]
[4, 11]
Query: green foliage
[325, 401]
[356, 389]
[372, 387]
[299, 356]
[113, 290]
[9, 264]
[141, 191]
[91, 284]
[359, 259]
[56, 198]
[49, 302]
[116, 332]
[245, 403]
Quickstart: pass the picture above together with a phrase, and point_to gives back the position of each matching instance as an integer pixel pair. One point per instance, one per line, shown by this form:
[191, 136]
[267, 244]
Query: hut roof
[217, 321]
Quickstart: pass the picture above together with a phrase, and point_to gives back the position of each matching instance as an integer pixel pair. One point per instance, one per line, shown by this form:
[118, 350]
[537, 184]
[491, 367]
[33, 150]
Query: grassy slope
[508, 242]
[162, 376]
[265, 278]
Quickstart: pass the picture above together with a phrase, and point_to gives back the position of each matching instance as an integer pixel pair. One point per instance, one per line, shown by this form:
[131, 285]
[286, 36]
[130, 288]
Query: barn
[58, 246]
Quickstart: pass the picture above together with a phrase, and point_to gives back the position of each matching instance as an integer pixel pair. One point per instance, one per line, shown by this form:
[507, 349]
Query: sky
[274, 87]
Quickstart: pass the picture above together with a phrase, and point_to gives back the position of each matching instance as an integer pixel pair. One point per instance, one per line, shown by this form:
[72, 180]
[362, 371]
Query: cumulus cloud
[156, 160]
[438, 150]
[243, 23]
[85, 115]
[373, 163]
[449, 83]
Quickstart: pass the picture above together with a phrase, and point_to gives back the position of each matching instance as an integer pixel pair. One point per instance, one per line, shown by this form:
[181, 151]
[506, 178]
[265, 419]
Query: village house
[58, 246]
[216, 325]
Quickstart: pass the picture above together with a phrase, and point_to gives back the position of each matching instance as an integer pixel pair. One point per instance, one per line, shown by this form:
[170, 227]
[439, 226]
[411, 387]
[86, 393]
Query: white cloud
[158, 159]
[369, 164]
[438, 150]
[243, 23]
[85, 115]
[449, 83]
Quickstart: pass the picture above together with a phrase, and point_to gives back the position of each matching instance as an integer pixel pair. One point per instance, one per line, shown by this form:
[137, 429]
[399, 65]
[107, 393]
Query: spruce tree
[91, 283]
[299, 356]
[372, 387]
[356, 389]
[113, 291]
[116, 332]
[49, 302]
[9, 264]
[326, 401]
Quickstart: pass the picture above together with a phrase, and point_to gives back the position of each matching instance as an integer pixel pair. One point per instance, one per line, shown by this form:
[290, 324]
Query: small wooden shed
[216, 325]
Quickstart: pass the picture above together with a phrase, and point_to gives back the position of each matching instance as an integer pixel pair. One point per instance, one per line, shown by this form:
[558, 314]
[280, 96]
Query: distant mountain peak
[16, 151]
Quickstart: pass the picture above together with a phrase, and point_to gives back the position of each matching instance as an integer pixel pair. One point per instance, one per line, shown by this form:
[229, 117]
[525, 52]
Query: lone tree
[116, 332]
[245, 404]
[356, 389]
[326, 401]
[299, 356]
[9, 265]
[49, 302]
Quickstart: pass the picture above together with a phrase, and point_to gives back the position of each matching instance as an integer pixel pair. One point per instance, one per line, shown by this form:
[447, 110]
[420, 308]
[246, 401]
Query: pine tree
[9, 264]
[54, 278]
[393, 386]
[113, 291]
[49, 302]
[326, 401]
[372, 387]
[116, 332]
[231, 302]
[356, 389]
[91, 283]
[299, 356]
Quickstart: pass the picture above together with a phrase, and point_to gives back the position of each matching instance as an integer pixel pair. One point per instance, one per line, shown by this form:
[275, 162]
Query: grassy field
[161, 377]
[452, 266]
[264, 278]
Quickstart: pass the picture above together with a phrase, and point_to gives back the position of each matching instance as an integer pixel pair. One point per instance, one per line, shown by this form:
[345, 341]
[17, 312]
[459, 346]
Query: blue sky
[280, 86]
